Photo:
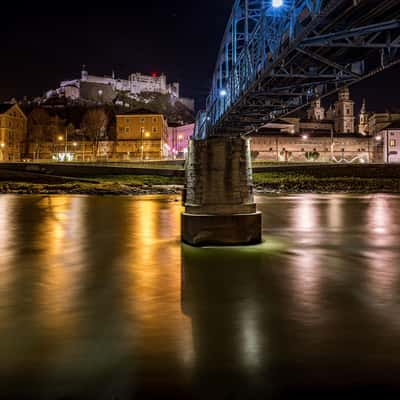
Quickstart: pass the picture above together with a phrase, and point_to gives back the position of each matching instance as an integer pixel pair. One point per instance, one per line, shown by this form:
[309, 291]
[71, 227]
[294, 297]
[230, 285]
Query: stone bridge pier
[219, 201]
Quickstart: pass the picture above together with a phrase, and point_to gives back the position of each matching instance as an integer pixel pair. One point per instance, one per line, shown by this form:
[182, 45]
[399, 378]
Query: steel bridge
[276, 56]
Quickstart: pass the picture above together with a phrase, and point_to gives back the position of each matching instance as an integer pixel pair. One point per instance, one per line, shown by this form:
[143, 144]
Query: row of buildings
[97, 134]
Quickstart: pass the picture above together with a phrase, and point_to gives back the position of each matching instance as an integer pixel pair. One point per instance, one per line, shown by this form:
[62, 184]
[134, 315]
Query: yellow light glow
[180, 137]
[2, 145]
[147, 134]
[75, 144]
[60, 138]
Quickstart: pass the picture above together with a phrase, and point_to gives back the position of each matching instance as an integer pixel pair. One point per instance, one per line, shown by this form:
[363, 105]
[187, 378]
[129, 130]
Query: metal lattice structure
[278, 55]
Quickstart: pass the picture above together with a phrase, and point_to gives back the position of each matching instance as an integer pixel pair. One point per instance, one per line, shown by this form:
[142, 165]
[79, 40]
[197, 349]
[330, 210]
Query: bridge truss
[278, 55]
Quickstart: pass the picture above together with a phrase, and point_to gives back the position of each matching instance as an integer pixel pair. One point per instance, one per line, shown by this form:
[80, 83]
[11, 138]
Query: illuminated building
[13, 127]
[142, 135]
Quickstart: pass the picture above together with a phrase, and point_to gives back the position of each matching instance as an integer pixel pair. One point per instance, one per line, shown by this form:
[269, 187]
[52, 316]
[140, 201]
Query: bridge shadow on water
[261, 330]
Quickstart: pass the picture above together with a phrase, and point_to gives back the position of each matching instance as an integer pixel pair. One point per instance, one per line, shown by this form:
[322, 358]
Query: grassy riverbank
[32, 183]
[289, 180]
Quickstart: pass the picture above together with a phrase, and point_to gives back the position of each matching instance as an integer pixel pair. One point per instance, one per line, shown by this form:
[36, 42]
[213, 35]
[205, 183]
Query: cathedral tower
[344, 113]
[316, 112]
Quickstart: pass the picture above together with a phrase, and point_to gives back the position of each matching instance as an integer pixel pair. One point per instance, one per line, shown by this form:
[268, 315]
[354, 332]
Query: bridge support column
[219, 201]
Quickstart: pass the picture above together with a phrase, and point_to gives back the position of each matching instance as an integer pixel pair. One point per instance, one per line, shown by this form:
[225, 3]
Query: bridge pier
[219, 201]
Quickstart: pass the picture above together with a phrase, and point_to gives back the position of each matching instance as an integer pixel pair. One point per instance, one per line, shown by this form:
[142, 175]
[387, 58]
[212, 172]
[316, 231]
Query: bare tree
[39, 122]
[94, 124]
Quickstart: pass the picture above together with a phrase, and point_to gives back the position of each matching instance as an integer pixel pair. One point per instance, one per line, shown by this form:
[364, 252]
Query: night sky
[43, 44]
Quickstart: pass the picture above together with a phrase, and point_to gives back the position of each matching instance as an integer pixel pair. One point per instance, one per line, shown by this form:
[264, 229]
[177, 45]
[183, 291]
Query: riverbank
[288, 180]
[33, 183]
[295, 183]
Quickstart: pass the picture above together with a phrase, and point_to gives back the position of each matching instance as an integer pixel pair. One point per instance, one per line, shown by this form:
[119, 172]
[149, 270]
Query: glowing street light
[74, 144]
[147, 134]
[223, 93]
[277, 3]
[2, 145]
[60, 138]
[378, 138]
[305, 137]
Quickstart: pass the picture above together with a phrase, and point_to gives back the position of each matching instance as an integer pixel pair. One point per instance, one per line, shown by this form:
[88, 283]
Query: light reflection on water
[99, 298]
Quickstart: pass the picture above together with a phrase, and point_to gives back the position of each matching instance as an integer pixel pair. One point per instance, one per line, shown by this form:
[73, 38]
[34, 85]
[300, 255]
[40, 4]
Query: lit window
[392, 143]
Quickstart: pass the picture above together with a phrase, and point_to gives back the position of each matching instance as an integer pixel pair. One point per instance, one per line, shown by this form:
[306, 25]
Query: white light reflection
[252, 340]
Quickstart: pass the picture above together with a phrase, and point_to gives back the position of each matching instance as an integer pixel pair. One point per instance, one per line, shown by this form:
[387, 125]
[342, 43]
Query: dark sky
[43, 44]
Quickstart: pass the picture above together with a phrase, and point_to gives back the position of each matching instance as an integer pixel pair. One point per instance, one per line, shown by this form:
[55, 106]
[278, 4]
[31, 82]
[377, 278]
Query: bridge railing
[253, 38]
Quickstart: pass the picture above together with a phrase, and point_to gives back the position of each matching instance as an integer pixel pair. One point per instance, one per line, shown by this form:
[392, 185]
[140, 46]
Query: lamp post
[66, 142]
[332, 154]
[141, 143]
[2, 146]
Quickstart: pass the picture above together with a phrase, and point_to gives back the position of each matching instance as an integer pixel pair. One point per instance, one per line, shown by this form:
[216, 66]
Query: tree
[39, 130]
[94, 125]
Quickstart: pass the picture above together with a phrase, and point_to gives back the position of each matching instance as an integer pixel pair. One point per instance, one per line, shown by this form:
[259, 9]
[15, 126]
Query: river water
[99, 300]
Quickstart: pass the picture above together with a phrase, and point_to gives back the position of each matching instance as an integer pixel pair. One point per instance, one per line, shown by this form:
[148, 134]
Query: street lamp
[277, 3]
[223, 93]
[2, 146]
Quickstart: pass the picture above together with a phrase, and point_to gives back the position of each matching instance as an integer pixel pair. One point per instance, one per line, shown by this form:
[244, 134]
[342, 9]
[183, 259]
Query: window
[127, 120]
[126, 130]
[154, 120]
[270, 149]
[154, 129]
[142, 120]
[142, 130]
[392, 143]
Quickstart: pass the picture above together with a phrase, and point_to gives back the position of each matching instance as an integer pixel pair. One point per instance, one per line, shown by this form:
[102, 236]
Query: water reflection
[98, 299]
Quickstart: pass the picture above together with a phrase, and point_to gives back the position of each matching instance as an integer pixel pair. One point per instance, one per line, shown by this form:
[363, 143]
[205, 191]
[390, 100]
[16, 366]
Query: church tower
[363, 127]
[344, 113]
[316, 112]
[84, 73]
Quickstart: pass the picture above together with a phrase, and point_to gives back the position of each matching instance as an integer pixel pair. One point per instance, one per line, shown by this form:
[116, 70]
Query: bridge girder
[274, 61]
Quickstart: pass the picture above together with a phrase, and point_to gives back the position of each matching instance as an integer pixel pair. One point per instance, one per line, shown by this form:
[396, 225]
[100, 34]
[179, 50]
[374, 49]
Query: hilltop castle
[105, 89]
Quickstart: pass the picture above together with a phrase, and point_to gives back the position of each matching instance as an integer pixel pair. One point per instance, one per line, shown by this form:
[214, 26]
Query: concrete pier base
[219, 201]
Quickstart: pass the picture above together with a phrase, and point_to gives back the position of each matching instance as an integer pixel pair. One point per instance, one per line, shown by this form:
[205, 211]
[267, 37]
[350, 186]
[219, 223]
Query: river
[99, 299]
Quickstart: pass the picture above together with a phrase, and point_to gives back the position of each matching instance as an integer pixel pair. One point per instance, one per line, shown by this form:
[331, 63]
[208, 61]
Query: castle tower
[84, 73]
[363, 127]
[316, 112]
[344, 113]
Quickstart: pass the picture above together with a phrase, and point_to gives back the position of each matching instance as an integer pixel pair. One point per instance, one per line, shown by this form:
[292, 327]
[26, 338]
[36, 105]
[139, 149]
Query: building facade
[141, 135]
[312, 147]
[13, 131]
[389, 140]
[379, 121]
[178, 140]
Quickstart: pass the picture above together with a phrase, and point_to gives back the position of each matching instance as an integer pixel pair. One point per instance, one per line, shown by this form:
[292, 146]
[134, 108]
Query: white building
[390, 137]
